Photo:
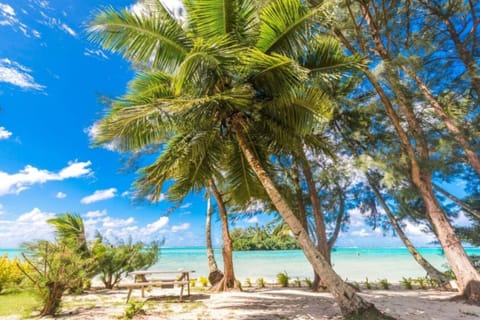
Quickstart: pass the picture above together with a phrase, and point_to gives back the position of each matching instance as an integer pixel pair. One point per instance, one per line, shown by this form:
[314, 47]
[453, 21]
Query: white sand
[267, 304]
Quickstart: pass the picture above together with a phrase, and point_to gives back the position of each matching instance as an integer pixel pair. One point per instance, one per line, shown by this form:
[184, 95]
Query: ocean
[355, 264]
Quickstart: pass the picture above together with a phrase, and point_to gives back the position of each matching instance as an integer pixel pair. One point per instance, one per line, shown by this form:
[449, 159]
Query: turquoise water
[353, 263]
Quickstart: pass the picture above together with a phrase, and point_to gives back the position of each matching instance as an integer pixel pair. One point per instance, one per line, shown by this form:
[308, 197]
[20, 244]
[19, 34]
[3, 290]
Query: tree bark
[457, 201]
[436, 275]
[350, 303]
[228, 281]
[214, 275]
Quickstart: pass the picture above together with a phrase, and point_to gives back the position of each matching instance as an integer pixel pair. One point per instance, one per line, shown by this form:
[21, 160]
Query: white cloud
[96, 214]
[95, 53]
[68, 30]
[252, 220]
[18, 182]
[155, 226]
[1, 209]
[186, 205]
[6, 10]
[27, 227]
[462, 220]
[361, 233]
[61, 195]
[99, 195]
[17, 75]
[126, 194]
[56, 23]
[4, 133]
[181, 227]
[110, 222]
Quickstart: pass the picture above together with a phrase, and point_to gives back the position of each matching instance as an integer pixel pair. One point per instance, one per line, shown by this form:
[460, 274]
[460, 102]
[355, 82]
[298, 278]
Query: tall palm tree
[229, 71]
[70, 230]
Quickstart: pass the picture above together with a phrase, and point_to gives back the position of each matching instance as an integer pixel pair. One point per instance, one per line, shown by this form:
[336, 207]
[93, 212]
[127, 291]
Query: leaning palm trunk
[214, 275]
[228, 281]
[350, 303]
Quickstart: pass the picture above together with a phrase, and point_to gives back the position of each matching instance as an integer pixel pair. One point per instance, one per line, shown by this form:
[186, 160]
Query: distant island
[263, 238]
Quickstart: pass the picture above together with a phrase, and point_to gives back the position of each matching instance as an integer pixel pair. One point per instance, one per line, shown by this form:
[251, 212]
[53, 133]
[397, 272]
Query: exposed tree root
[224, 285]
[371, 313]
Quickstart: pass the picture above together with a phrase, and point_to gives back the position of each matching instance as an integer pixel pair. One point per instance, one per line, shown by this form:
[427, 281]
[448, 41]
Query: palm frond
[273, 73]
[206, 63]
[287, 25]
[152, 39]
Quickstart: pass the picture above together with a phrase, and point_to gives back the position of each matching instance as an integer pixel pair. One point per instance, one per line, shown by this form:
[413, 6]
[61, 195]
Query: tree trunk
[52, 303]
[457, 201]
[214, 275]
[350, 303]
[228, 281]
[432, 272]
[320, 230]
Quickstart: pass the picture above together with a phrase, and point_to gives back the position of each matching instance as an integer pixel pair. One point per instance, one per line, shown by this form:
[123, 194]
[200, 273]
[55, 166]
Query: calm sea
[353, 263]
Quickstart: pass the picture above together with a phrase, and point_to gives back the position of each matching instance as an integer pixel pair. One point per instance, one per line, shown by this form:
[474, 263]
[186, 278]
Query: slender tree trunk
[228, 281]
[320, 230]
[350, 303]
[214, 275]
[436, 275]
[338, 221]
[457, 201]
[52, 303]
[302, 214]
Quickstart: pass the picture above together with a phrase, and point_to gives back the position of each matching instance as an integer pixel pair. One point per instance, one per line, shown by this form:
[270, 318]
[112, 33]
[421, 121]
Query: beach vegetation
[297, 282]
[421, 282]
[384, 284]
[19, 302]
[368, 285]
[407, 283]
[203, 281]
[114, 261]
[308, 282]
[260, 282]
[248, 282]
[133, 309]
[283, 279]
[11, 275]
[262, 238]
[56, 270]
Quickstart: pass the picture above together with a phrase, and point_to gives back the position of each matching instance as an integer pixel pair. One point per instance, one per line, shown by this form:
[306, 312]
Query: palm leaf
[149, 39]
[287, 26]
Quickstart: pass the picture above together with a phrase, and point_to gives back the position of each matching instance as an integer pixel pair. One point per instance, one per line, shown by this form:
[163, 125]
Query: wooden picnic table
[145, 278]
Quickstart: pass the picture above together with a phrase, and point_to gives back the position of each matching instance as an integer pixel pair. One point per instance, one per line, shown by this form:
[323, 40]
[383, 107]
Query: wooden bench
[141, 281]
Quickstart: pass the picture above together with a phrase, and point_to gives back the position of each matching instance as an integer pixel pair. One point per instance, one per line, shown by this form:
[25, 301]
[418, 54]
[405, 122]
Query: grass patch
[19, 303]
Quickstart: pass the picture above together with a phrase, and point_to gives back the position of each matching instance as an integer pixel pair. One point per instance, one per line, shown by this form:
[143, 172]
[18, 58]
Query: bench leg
[181, 292]
[128, 295]
[143, 292]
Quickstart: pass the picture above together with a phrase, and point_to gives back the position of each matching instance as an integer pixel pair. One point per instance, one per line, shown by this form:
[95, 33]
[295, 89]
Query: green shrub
[115, 261]
[308, 282]
[407, 283]
[10, 274]
[203, 281]
[367, 284]
[248, 282]
[421, 282]
[282, 279]
[384, 284]
[260, 283]
[297, 282]
[133, 309]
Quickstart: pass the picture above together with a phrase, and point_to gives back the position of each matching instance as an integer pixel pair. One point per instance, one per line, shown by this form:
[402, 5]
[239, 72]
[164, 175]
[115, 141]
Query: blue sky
[51, 79]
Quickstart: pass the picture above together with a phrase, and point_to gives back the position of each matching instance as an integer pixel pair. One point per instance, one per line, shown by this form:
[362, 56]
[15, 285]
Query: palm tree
[70, 230]
[214, 275]
[230, 72]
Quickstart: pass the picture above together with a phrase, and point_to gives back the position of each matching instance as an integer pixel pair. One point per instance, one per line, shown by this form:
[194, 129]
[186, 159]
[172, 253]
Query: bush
[282, 279]
[384, 284]
[203, 281]
[260, 283]
[407, 283]
[133, 309]
[308, 282]
[248, 282]
[10, 274]
[57, 269]
[115, 261]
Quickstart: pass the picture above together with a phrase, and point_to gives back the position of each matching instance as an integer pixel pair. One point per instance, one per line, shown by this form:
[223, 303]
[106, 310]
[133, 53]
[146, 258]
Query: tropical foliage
[262, 238]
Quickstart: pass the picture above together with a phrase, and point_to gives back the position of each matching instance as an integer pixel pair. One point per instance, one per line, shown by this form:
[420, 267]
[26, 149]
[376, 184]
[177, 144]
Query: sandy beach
[267, 304]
